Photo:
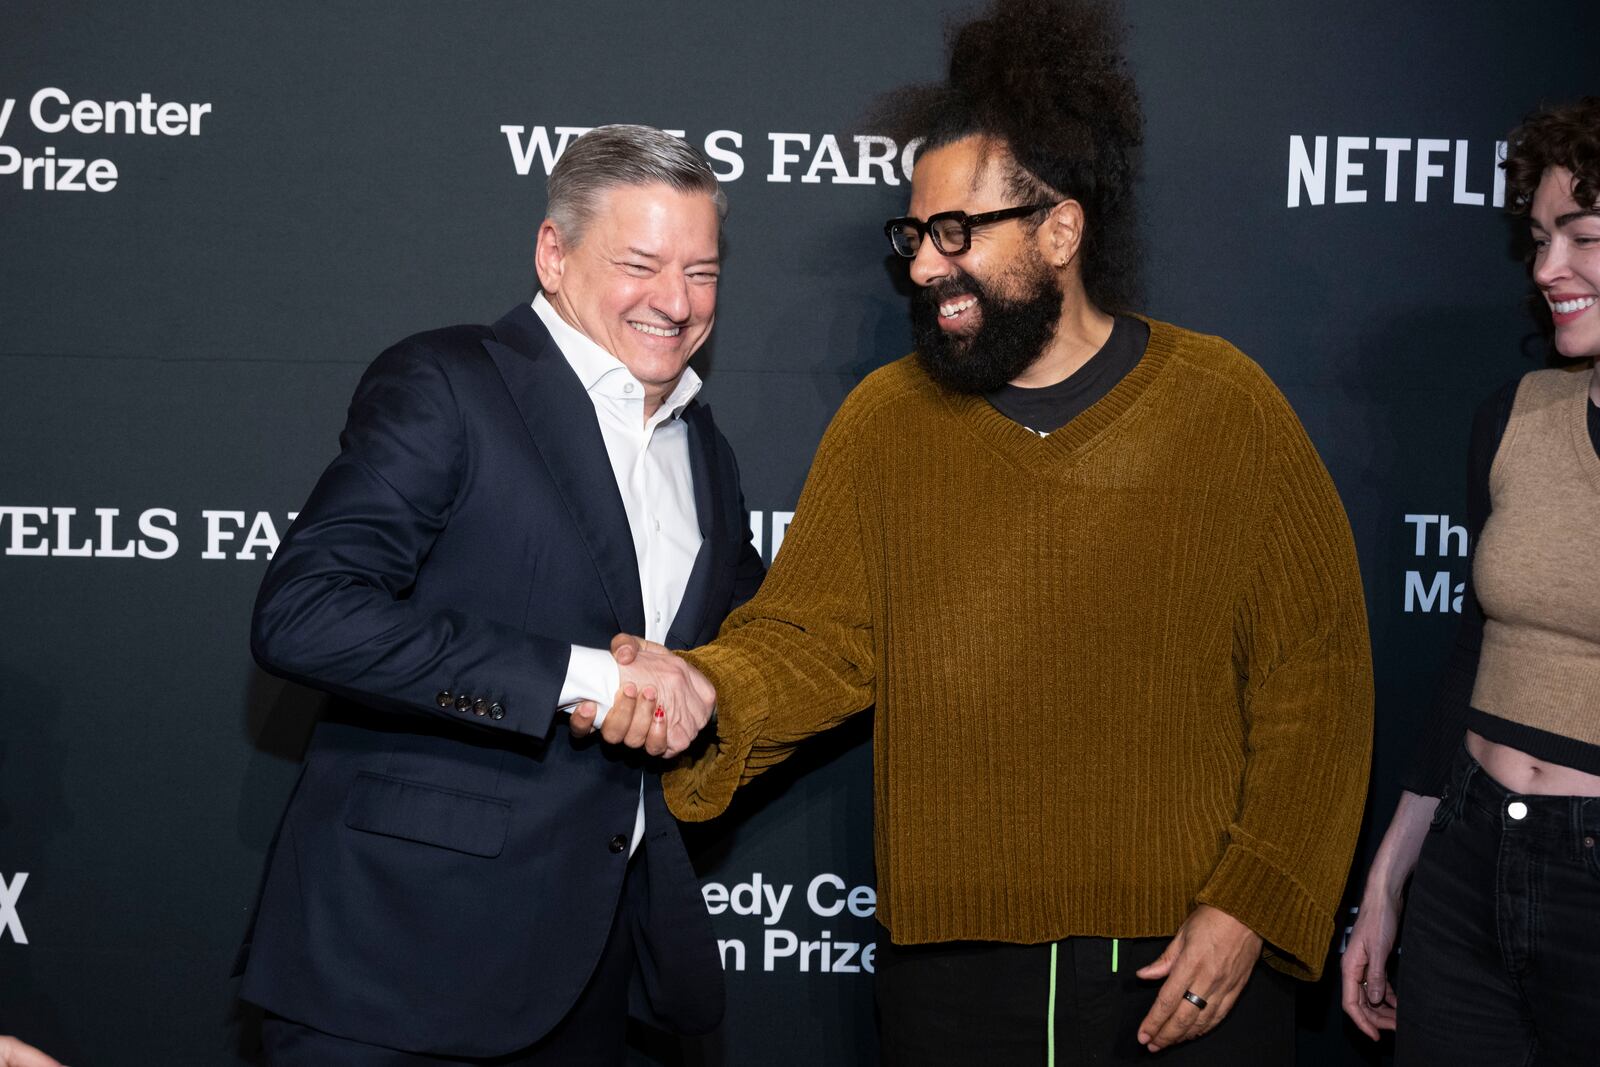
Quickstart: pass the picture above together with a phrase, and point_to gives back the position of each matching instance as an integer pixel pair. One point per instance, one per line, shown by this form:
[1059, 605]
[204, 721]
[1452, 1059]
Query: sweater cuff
[1276, 906]
[702, 784]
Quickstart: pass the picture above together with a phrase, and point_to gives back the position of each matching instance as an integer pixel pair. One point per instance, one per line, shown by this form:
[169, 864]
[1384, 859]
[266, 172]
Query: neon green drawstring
[1050, 1014]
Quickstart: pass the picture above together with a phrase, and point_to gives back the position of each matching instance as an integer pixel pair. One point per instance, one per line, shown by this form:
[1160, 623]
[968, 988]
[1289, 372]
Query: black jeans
[988, 1004]
[1500, 959]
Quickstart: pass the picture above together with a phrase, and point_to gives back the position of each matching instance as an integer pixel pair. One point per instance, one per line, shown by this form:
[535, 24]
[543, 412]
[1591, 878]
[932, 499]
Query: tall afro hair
[1047, 80]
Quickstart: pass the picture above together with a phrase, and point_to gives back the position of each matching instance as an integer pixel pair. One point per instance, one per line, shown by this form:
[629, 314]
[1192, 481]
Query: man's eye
[704, 278]
[636, 268]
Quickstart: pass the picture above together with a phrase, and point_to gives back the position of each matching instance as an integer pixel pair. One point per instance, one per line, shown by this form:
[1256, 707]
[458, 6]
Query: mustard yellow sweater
[1118, 671]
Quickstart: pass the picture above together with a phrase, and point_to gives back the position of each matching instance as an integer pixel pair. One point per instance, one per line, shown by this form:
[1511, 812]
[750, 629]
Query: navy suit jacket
[449, 865]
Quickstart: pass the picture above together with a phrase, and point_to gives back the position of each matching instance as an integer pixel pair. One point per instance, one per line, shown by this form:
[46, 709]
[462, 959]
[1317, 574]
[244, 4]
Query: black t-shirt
[1048, 408]
[1453, 714]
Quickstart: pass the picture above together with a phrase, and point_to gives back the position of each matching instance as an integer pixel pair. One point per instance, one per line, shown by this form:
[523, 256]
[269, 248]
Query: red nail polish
[661, 713]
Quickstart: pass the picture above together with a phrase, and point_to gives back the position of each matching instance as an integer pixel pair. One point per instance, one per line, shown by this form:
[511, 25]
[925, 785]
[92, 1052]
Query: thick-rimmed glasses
[951, 230]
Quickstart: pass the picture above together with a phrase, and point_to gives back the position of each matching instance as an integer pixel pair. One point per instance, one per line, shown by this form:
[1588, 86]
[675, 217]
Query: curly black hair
[1568, 137]
[1563, 136]
[1047, 80]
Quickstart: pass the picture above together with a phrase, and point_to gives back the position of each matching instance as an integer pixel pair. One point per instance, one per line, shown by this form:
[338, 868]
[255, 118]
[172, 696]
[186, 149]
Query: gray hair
[610, 156]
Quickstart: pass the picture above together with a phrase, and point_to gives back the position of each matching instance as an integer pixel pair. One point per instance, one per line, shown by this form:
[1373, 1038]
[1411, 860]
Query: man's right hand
[662, 706]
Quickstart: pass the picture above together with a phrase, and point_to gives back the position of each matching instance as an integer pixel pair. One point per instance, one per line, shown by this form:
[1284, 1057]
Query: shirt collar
[603, 374]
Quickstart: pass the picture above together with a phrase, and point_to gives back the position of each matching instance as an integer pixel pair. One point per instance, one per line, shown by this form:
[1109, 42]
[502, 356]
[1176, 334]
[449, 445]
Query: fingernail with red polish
[660, 714]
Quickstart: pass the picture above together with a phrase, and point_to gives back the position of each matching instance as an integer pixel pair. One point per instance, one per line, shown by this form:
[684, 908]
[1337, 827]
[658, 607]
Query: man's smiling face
[642, 280]
[983, 317]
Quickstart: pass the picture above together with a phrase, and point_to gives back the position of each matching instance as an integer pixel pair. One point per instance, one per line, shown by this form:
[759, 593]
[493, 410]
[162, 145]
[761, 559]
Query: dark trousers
[592, 1034]
[1500, 960]
[967, 1003]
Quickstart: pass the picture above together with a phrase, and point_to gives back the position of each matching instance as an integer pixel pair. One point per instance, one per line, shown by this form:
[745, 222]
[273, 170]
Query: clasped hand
[662, 705]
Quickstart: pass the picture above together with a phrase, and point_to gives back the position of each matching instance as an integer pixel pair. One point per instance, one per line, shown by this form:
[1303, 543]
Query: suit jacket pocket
[413, 811]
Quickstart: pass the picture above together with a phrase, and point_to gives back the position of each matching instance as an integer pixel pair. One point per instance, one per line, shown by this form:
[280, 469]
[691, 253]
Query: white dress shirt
[650, 460]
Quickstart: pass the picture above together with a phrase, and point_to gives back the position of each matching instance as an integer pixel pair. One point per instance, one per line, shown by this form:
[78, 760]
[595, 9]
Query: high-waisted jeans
[1500, 954]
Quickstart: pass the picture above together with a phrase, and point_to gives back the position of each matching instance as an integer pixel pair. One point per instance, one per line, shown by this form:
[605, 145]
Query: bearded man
[1101, 590]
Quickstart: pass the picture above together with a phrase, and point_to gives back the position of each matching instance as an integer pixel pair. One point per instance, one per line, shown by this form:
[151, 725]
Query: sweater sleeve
[798, 657]
[1446, 723]
[1304, 666]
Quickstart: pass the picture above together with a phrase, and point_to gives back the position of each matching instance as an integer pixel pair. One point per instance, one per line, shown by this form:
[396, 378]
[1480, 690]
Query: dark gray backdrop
[185, 343]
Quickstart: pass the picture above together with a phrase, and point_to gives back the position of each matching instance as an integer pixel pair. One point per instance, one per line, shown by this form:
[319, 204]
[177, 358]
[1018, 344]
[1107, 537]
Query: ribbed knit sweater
[1119, 670]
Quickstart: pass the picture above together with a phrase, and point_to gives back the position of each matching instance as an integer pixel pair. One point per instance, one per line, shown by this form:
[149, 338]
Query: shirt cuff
[591, 675]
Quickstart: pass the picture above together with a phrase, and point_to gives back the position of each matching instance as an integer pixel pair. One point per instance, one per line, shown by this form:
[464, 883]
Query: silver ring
[1194, 998]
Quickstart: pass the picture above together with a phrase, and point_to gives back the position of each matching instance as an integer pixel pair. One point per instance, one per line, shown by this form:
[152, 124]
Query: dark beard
[1011, 336]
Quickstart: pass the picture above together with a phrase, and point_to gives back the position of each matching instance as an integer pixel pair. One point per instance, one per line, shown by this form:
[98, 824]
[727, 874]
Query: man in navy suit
[456, 880]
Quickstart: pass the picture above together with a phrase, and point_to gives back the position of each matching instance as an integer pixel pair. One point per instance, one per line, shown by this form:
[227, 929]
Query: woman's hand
[1368, 998]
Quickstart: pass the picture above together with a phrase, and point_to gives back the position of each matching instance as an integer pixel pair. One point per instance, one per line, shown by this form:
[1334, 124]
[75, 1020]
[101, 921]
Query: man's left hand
[1211, 956]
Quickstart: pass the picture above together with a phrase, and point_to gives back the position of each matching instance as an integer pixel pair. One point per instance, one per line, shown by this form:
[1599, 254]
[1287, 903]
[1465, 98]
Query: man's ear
[549, 256]
[1062, 233]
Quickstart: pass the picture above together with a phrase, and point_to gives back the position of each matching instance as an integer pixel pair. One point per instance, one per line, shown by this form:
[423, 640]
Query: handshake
[661, 705]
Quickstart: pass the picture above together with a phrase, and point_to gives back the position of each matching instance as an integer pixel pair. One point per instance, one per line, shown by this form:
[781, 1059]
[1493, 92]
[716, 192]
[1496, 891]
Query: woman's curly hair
[1567, 136]
[1046, 79]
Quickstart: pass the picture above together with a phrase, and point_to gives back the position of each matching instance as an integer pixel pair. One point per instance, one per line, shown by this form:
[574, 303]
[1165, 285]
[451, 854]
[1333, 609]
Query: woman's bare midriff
[1522, 773]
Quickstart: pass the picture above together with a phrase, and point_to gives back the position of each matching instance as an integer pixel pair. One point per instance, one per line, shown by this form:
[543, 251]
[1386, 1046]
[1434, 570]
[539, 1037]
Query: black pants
[592, 1034]
[972, 1003]
[1500, 960]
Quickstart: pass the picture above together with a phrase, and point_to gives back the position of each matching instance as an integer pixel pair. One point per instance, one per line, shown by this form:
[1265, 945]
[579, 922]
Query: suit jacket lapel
[702, 467]
[561, 420]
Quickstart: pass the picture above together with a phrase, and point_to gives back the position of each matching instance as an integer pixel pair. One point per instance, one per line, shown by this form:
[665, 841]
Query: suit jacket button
[480, 707]
[496, 711]
[463, 702]
[444, 699]
[618, 843]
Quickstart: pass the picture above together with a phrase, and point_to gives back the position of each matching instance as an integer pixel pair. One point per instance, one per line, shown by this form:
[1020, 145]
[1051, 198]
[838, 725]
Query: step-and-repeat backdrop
[213, 215]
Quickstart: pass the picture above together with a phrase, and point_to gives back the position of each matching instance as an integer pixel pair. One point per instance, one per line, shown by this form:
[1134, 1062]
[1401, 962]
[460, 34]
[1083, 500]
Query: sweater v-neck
[1049, 454]
[1578, 426]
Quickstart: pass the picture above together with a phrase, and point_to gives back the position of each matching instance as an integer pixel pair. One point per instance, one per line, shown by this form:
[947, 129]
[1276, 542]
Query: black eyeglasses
[951, 230]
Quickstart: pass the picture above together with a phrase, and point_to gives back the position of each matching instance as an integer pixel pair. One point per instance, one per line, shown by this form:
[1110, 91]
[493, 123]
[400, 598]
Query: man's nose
[670, 296]
[929, 264]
